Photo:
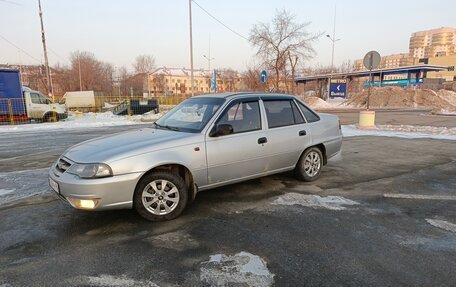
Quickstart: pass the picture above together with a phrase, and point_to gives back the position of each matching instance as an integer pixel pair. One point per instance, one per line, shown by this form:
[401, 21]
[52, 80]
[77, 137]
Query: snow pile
[401, 131]
[241, 269]
[395, 97]
[79, 120]
[329, 202]
[319, 104]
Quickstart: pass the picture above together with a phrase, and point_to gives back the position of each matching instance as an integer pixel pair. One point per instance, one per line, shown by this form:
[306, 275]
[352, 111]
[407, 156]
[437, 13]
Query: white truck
[22, 104]
[84, 101]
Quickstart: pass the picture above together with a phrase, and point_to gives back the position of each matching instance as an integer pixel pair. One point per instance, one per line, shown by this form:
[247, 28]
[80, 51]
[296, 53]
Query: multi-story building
[177, 81]
[390, 61]
[433, 43]
[449, 61]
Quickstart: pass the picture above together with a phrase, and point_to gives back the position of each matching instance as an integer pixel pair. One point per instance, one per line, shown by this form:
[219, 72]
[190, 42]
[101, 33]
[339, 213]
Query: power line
[55, 53]
[220, 22]
[17, 47]
[11, 2]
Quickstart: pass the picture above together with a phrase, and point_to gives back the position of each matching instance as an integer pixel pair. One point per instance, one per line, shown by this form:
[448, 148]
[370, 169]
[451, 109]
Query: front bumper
[114, 192]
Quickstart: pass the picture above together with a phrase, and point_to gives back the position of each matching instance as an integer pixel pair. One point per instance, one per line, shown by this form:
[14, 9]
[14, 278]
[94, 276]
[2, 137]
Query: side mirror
[221, 130]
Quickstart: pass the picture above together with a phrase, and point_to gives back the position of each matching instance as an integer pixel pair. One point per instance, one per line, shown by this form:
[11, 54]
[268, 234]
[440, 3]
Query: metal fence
[17, 111]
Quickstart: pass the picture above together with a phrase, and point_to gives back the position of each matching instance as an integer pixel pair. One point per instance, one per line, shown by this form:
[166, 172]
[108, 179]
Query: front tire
[160, 196]
[309, 165]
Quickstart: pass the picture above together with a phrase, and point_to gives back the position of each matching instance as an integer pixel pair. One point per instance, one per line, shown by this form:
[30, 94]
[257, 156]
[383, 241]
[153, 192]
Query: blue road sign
[214, 82]
[338, 88]
[263, 77]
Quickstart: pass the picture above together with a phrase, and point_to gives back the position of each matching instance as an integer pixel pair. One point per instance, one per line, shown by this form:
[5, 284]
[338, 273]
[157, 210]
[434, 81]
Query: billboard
[338, 88]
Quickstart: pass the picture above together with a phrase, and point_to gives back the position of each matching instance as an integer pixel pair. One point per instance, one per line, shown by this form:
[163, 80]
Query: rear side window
[282, 113]
[310, 115]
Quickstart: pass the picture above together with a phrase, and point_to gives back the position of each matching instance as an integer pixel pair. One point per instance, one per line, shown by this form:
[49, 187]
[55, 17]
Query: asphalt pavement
[382, 214]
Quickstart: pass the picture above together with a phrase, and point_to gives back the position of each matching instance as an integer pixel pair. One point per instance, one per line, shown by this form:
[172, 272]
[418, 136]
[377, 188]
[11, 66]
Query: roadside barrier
[15, 111]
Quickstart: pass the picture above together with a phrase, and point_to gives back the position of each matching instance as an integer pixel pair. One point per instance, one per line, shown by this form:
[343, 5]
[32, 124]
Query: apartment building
[390, 61]
[177, 81]
[433, 43]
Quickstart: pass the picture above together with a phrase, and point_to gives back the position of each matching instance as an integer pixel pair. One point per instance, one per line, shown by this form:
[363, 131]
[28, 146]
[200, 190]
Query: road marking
[419, 196]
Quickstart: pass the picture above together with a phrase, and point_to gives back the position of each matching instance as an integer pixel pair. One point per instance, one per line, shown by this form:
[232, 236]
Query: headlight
[90, 170]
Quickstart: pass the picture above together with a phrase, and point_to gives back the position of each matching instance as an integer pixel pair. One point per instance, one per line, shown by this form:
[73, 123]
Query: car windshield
[191, 115]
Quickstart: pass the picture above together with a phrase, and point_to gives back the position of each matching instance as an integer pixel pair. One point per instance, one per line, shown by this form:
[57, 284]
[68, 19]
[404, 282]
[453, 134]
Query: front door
[242, 153]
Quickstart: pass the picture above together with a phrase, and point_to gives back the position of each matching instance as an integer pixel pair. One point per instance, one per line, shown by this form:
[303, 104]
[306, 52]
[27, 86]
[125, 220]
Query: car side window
[299, 119]
[310, 115]
[281, 113]
[242, 116]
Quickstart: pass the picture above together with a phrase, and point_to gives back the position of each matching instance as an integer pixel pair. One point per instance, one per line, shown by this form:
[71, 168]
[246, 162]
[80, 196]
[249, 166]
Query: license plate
[54, 185]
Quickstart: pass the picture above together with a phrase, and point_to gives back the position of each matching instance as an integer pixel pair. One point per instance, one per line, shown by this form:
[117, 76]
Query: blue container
[11, 93]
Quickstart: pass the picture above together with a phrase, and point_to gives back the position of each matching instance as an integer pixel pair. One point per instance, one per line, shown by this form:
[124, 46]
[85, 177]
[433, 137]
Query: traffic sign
[263, 77]
[372, 60]
[338, 88]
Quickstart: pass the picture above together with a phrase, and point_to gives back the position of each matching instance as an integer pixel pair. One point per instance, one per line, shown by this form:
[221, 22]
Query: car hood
[126, 144]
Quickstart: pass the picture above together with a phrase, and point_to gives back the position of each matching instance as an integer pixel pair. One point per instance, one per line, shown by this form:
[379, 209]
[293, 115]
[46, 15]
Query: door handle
[262, 140]
[302, 133]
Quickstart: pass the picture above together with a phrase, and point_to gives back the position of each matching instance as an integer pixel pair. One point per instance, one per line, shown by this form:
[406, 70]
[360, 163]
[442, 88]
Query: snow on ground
[109, 280]
[22, 184]
[401, 131]
[329, 202]
[86, 120]
[241, 269]
[442, 224]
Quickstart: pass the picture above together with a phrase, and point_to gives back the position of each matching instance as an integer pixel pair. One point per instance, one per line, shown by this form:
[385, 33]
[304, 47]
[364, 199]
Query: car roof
[246, 95]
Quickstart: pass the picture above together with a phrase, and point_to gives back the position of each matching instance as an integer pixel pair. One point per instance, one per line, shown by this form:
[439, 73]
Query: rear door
[288, 134]
[242, 153]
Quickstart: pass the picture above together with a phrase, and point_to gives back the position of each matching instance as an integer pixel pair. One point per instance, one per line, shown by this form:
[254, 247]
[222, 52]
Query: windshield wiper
[166, 127]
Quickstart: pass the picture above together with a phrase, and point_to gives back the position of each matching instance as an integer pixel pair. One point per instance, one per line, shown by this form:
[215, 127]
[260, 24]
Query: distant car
[204, 142]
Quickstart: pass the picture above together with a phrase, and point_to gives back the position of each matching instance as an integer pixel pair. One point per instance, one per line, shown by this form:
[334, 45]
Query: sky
[117, 31]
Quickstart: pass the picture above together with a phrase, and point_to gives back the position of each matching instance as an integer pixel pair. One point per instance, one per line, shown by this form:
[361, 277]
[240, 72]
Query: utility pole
[50, 89]
[191, 45]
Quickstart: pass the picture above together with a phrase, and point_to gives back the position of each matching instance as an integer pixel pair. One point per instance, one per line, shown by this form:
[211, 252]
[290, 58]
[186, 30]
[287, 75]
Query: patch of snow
[328, 202]
[77, 120]
[244, 269]
[401, 131]
[23, 184]
[442, 224]
[109, 280]
[6, 191]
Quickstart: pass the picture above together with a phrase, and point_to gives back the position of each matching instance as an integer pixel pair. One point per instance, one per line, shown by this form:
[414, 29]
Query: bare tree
[94, 74]
[144, 64]
[282, 44]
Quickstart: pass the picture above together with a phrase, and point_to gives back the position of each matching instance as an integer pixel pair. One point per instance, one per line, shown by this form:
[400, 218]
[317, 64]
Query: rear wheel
[309, 165]
[160, 196]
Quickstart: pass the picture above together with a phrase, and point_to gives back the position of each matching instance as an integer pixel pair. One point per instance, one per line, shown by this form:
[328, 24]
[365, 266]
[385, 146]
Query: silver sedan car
[204, 142]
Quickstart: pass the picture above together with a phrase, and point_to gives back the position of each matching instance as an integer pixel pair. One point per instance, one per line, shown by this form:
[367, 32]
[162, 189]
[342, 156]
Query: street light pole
[333, 40]
[80, 78]
[209, 60]
[191, 45]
